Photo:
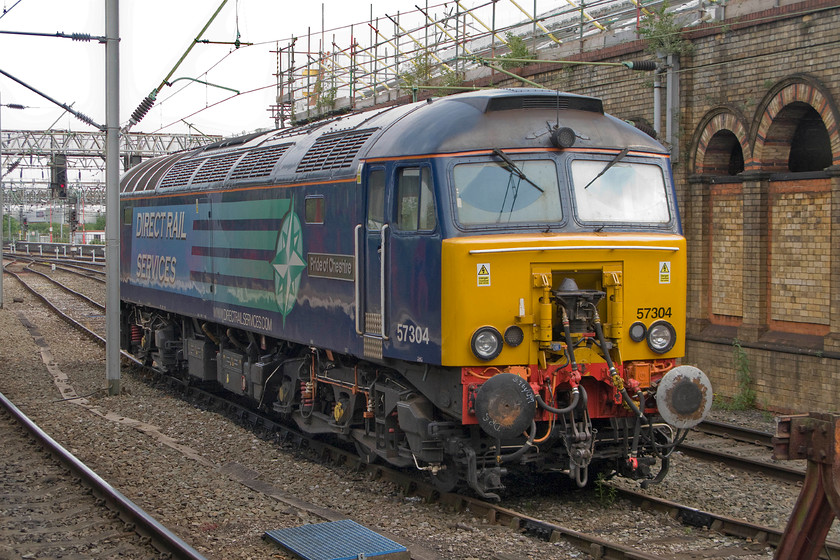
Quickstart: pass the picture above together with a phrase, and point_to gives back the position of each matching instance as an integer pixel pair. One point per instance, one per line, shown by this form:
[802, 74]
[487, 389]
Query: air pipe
[521, 451]
[575, 400]
[616, 379]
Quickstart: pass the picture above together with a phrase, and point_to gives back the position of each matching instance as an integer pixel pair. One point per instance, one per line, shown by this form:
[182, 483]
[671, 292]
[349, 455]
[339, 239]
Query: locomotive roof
[332, 148]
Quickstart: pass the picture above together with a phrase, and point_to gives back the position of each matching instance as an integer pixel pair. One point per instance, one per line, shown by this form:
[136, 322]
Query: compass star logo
[288, 262]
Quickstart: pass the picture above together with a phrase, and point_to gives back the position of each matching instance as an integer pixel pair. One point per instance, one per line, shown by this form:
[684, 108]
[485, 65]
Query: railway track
[55, 506]
[539, 522]
[691, 529]
[86, 269]
[741, 448]
[736, 433]
[82, 312]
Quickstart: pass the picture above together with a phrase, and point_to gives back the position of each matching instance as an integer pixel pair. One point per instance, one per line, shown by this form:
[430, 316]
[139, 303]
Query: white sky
[154, 34]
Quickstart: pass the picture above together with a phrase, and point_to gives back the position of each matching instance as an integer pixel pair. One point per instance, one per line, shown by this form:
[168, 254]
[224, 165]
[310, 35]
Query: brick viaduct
[756, 158]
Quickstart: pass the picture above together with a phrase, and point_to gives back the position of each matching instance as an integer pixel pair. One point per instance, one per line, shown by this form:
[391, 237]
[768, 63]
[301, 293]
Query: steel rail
[146, 525]
[66, 265]
[84, 264]
[736, 433]
[717, 522]
[493, 513]
[95, 275]
[94, 336]
[777, 472]
[410, 484]
[67, 289]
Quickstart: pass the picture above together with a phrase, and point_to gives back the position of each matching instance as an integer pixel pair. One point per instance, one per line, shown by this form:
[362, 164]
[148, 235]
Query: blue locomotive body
[355, 275]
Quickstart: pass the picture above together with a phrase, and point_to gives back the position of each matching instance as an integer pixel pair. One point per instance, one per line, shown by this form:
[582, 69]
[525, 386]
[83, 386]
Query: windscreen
[496, 193]
[627, 192]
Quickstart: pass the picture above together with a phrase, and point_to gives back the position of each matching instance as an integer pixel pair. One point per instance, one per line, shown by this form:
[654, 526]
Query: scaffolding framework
[388, 57]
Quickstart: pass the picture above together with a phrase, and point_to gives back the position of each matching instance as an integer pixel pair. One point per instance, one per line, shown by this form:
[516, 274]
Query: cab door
[413, 258]
[371, 235]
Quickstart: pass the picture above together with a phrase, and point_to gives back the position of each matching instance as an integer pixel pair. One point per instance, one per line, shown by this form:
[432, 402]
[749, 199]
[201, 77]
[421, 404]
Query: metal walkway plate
[337, 540]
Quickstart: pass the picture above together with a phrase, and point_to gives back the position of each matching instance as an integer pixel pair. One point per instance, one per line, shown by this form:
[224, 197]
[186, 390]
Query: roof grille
[259, 163]
[554, 102]
[334, 151]
[215, 168]
[304, 128]
[545, 103]
[180, 173]
[156, 171]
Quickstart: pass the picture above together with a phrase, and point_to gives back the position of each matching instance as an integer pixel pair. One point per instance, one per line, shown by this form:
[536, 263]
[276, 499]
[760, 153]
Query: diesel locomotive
[466, 285]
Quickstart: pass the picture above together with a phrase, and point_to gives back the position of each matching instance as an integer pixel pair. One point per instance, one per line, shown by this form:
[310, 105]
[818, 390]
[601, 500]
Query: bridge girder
[27, 155]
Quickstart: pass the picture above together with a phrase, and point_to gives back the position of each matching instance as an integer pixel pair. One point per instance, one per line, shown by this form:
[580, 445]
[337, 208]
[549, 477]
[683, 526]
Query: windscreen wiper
[509, 163]
[606, 168]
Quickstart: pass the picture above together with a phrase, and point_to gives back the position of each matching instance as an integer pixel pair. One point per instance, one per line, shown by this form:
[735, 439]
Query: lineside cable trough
[337, 540]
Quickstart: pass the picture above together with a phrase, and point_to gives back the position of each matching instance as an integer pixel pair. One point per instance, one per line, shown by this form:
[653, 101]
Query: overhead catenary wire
[391, 68]
[7, 10]
[147, 103]
[81, 116]
[360, 77]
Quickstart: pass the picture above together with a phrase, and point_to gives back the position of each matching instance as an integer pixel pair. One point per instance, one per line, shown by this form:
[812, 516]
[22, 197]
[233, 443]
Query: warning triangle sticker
[483, 270]
[664, 269]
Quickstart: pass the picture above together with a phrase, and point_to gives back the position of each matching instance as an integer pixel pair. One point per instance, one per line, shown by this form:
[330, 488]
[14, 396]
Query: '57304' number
[412, 334]
[653, 312]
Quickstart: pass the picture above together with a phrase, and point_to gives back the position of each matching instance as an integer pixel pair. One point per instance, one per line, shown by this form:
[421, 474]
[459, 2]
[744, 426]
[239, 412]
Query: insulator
[142, 109]
[85, 119]
[641, 65]
[80, 36]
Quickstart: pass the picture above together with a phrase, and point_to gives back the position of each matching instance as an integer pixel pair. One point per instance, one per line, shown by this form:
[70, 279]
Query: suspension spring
[306, 397]
[136, 333]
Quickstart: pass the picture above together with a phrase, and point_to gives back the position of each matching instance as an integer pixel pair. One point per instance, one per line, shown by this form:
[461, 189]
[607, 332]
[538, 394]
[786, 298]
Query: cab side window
[415, 200]
[376, 199]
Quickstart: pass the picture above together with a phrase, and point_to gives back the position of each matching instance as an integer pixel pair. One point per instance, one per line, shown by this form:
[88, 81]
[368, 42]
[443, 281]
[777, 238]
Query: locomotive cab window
[415, 200]
[376, 199]
[493, 193]
[623, 193]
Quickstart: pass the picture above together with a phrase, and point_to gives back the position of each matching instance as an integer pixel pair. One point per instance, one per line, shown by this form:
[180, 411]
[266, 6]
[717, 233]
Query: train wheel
[446, 479]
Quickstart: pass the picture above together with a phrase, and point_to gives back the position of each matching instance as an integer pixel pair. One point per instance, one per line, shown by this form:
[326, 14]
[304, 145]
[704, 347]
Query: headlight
[661, 337]
[486, 343]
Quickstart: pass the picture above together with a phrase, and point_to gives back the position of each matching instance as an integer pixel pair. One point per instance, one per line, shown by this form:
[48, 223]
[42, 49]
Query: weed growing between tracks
[605, 493]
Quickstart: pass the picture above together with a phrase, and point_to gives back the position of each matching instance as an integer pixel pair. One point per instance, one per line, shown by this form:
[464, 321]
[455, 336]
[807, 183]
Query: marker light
[637, 331]
[514, 336]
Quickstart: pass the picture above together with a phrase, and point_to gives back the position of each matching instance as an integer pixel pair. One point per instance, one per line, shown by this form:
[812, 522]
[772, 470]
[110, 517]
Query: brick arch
[777, 117]
[711, 146]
